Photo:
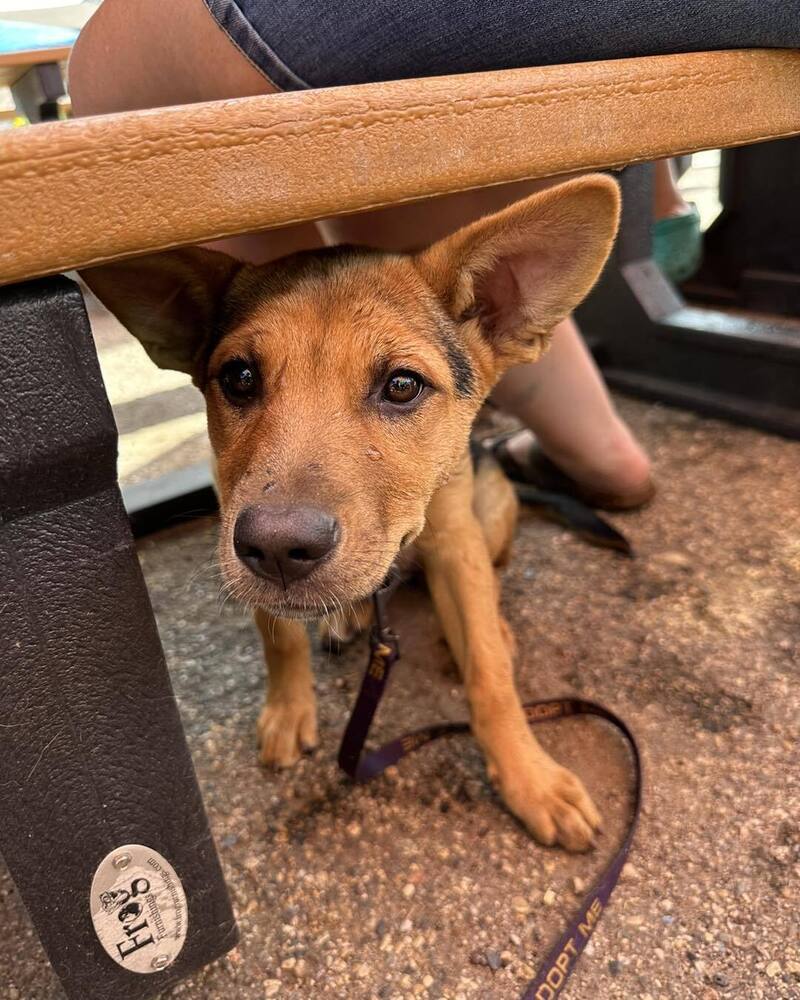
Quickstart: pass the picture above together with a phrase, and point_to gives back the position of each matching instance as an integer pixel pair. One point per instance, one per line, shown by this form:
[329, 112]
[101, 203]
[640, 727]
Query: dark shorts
[321, 43]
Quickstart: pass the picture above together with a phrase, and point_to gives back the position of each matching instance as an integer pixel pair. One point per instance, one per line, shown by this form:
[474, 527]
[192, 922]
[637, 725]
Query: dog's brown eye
[403, 387]
[239, 381]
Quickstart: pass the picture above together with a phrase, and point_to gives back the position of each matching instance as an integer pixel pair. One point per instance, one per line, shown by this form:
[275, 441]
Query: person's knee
[623, 460]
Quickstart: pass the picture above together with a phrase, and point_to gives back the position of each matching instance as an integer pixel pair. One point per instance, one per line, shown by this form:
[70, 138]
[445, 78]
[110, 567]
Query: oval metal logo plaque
[138, 909]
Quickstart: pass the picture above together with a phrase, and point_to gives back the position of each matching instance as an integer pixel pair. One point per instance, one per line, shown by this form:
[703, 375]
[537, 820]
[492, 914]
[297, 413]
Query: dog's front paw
[552, 803]
[286, 730]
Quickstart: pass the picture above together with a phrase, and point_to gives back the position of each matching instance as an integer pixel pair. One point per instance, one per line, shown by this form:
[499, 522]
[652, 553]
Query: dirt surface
[419, 884]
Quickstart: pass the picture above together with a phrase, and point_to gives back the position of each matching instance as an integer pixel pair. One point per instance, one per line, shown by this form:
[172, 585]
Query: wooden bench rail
[92, 190]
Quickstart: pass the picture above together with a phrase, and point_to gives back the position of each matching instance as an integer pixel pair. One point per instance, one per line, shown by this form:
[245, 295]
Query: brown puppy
[341, 386]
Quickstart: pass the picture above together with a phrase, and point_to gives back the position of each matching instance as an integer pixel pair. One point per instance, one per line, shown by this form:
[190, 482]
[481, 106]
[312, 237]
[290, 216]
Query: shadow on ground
[417, 884]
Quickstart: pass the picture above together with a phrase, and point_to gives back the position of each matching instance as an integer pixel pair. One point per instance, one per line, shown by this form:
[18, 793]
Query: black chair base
[92, 751]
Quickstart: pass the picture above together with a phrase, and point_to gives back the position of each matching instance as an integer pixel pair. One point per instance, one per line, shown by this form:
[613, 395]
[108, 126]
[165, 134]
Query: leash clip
[381, 632]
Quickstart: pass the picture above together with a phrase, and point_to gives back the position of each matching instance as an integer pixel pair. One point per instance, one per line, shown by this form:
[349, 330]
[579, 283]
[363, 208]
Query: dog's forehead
[376, 301]
[322, 279]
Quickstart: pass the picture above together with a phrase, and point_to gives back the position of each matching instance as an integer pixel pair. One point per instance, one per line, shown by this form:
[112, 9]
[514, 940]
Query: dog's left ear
[517, 273]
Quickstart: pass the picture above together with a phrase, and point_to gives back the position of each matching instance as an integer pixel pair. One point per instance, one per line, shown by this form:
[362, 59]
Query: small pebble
[615, 966]
[493, 960]
[678, 559]
[525, 971]
[549, 897]
[773, 969]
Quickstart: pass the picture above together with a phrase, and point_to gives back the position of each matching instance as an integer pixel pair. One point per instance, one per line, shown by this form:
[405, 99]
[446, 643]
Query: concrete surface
[415, 885]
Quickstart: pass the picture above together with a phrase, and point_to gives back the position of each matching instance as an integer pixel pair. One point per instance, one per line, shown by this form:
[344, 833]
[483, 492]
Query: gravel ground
[420, 885]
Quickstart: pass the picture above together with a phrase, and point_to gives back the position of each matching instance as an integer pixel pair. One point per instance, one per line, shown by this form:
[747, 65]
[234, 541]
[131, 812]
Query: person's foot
[617, 478]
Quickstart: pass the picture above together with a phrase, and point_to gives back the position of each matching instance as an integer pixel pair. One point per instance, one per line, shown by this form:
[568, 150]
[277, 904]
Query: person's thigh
[152, 54]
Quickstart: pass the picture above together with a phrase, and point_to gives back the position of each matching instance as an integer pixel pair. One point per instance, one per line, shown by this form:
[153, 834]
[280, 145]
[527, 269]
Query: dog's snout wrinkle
[284, 544]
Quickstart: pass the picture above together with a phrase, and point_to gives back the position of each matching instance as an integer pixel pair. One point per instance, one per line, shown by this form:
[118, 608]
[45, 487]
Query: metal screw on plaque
[160, 962]
[121, 861]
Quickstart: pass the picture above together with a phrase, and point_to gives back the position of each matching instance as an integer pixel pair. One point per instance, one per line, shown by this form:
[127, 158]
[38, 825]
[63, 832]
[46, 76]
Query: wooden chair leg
[92, 751]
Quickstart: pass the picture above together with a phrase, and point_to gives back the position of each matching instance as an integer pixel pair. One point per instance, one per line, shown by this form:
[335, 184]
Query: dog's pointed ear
[517, 273]
[168, 301]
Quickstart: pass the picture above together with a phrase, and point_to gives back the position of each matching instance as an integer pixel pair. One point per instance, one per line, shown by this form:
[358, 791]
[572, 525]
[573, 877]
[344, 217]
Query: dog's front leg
[287, 725]
[550, 800]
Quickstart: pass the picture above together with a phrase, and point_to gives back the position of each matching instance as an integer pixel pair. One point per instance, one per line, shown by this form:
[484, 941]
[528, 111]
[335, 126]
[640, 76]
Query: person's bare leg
[152, 54]
[410, 227]
[667, 198]
[564, 401]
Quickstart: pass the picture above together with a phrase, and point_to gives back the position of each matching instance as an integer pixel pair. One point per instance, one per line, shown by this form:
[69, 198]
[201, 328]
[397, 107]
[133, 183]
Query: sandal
[678, 244]
[540, 471]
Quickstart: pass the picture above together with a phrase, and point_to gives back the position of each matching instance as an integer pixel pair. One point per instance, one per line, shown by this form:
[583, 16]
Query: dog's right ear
[168, 301]
[517, 273]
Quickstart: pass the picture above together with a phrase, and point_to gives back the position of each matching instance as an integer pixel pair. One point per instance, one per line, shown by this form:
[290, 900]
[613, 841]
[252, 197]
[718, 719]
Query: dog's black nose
[284, 544]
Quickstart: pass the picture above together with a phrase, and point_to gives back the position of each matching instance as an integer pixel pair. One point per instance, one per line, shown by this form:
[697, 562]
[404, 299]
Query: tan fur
[320, 330]
[496, 507]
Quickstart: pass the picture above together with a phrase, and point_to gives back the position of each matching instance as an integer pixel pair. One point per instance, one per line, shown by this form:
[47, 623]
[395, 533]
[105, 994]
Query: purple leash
[383, 654]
